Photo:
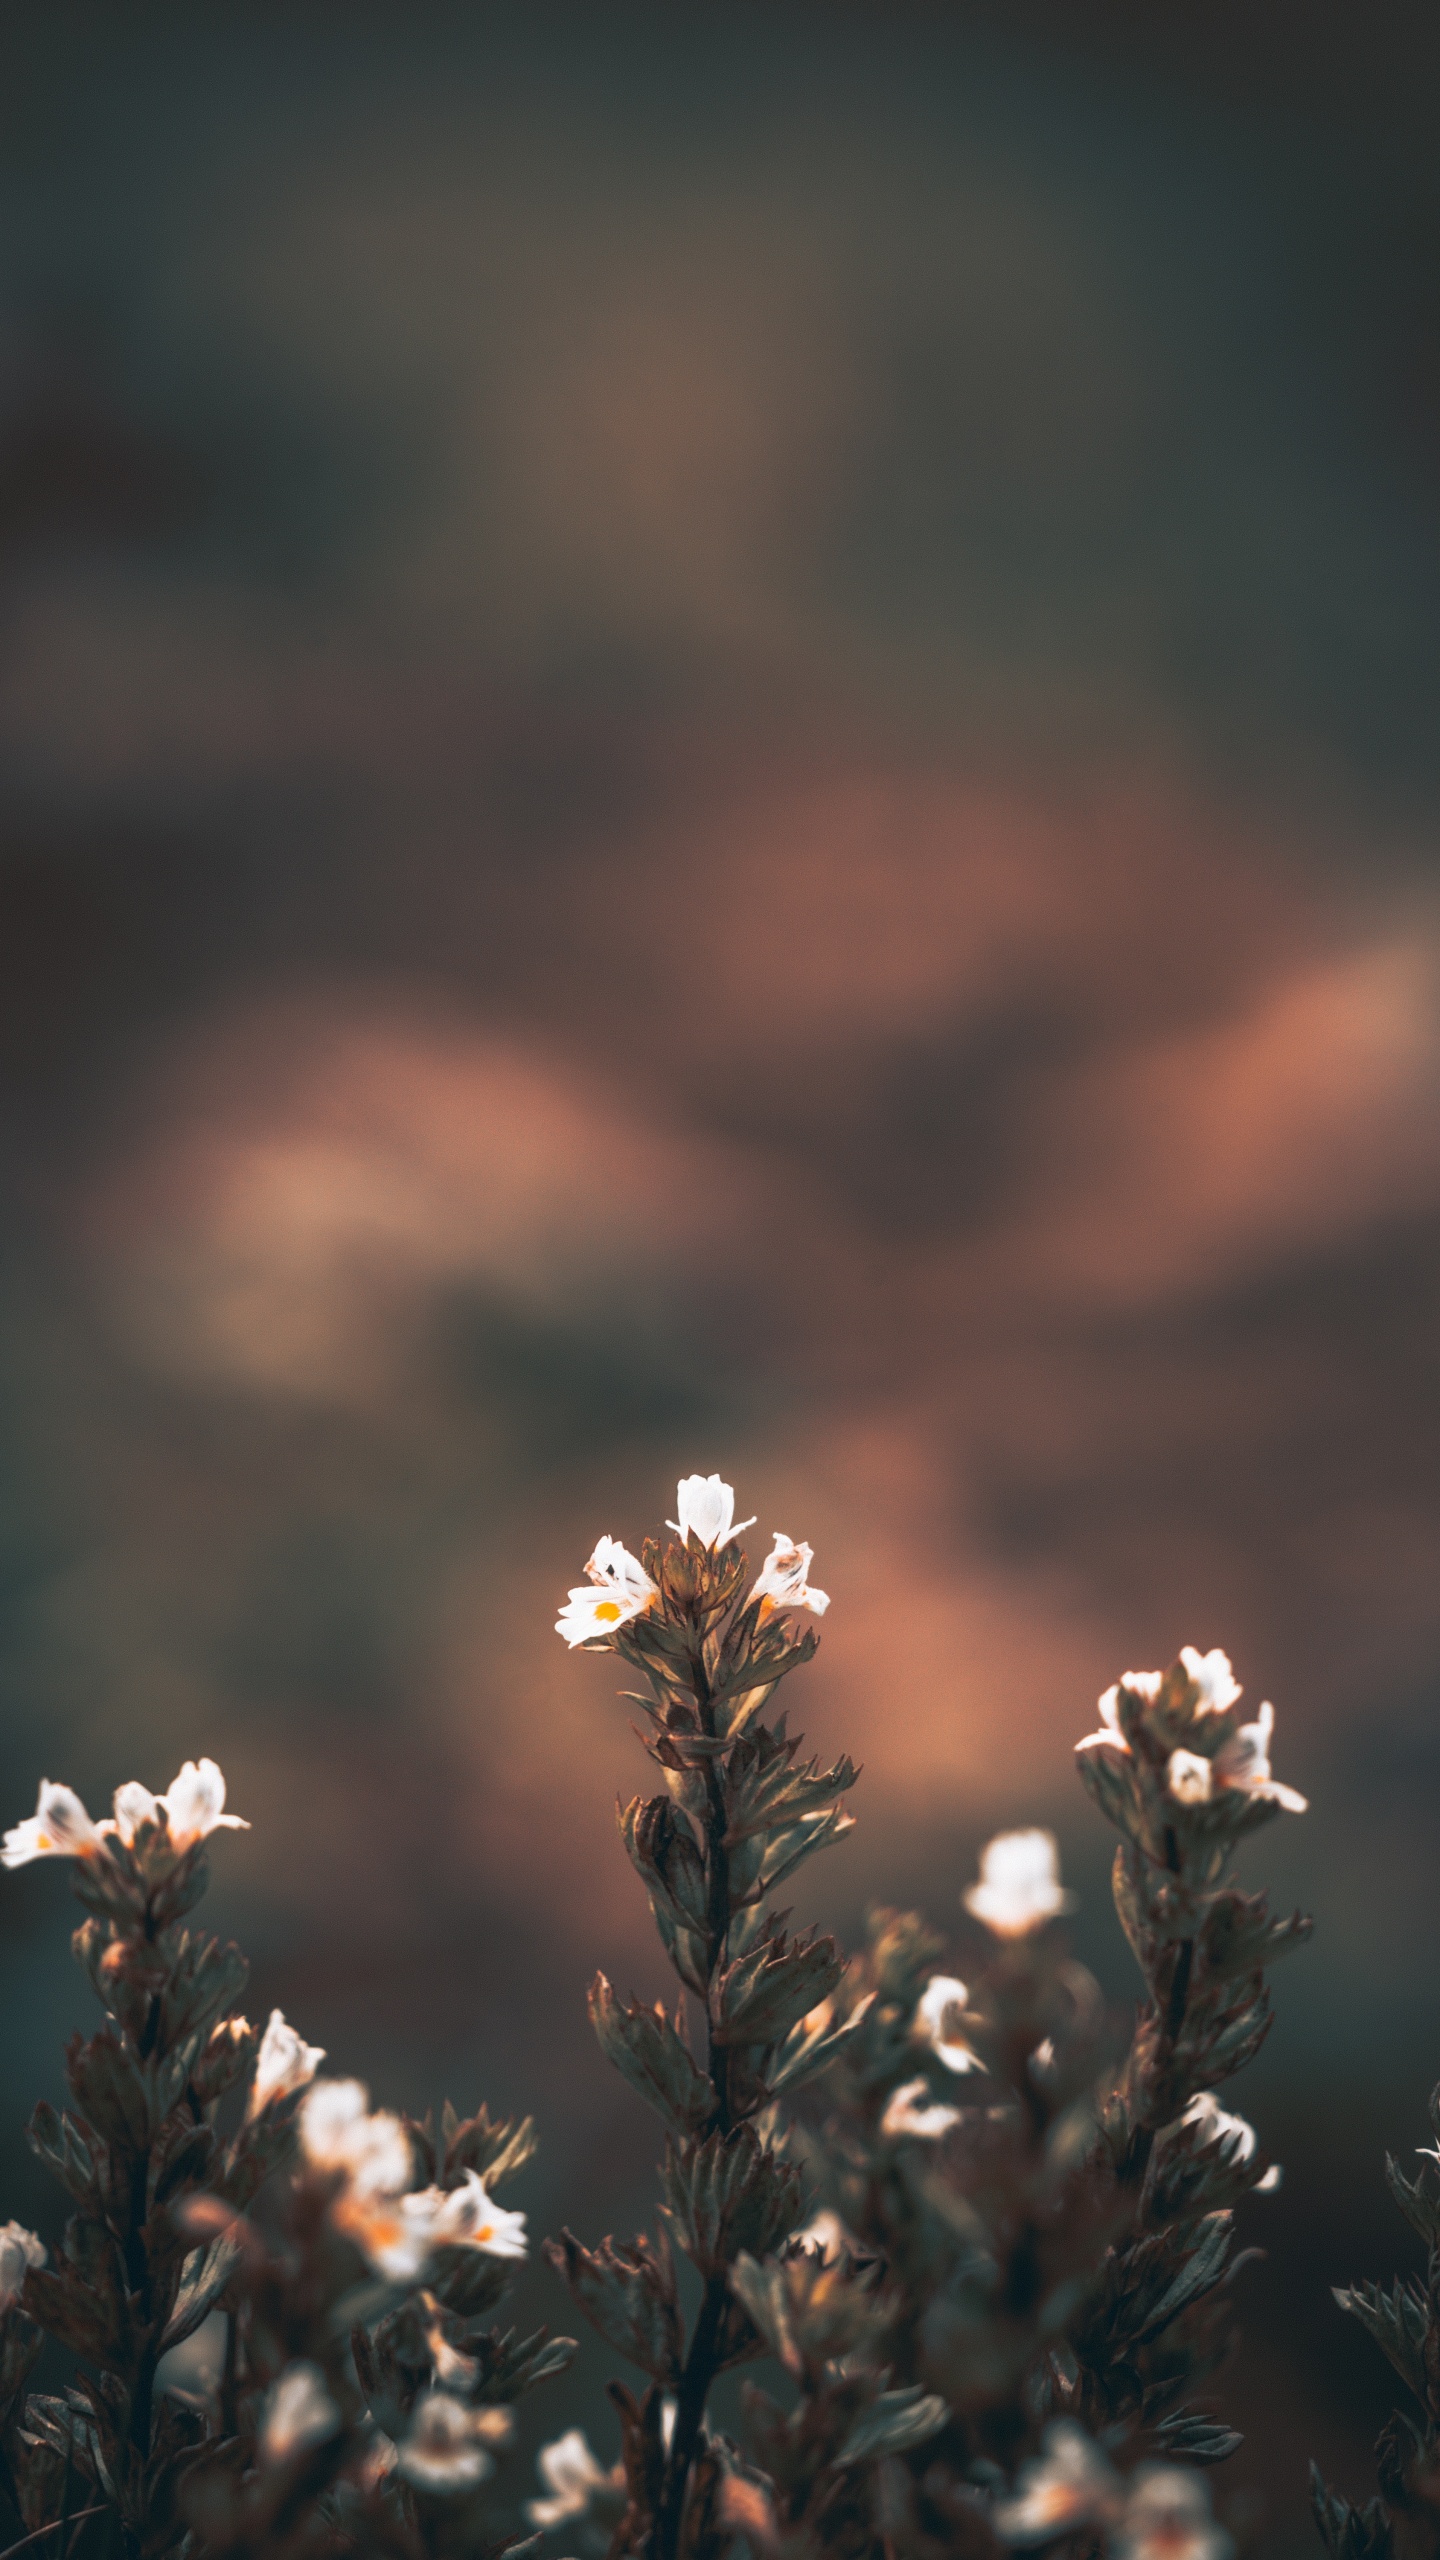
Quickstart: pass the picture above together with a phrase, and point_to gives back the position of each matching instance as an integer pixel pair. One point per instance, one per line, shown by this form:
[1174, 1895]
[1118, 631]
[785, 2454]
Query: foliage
[987, 2254]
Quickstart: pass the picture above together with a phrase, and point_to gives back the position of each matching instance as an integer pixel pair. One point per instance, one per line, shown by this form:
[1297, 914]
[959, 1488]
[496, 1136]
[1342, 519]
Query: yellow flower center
[607, 1608]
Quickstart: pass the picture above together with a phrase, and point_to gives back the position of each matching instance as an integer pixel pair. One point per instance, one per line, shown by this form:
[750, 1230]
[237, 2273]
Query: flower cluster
[191, 1808]
[618, 1587]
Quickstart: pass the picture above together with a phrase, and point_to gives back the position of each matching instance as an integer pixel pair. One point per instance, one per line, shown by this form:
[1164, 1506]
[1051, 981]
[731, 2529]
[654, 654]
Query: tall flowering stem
[1185, 1781]
[738, 1813]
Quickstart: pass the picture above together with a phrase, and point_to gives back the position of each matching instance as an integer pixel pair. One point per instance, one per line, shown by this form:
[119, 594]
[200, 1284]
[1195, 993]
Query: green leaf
[650, 2053]
[729, 2194]
[627, 2290]
[204, 2277]
[893, 2423]
[764, 1994]
[1399, 2323]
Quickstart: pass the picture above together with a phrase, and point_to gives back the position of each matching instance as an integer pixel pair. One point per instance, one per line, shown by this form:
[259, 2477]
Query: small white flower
[20, 2250]
[464, 2217]
[59, 1827]
[825, 2231]
[443, 2451]
[372, 2154]
[1019, 1885]
[1070, 2484]
[299, 2413]
[1244, 1764]
[1212, 1676]
[707, 1511]
[337, 2131]
[1167, 2517]
[571, 2475]
[1189, 1778]
[907, 2115]
[782, 1581]
[194, 1805]
[941, 2000]
[617, 1588]
[284, 2063]
[1146, 1684]
[134, 1805]
[1235, 2137]
[192, 2372]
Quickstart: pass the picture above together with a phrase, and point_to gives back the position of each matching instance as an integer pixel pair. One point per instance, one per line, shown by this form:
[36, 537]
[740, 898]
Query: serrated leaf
[729, 2194]
[627, 2291]
[649, 2052]
[1399, 2323]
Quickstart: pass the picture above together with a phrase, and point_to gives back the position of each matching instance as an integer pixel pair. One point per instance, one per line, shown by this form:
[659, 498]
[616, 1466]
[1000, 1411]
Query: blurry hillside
[718, 749]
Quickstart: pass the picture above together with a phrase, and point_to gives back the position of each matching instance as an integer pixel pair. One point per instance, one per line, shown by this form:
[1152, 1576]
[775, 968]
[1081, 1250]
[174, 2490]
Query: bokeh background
[719, 748]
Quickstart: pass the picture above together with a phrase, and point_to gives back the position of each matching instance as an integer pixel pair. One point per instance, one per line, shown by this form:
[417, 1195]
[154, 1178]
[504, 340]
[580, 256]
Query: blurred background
[718, 749]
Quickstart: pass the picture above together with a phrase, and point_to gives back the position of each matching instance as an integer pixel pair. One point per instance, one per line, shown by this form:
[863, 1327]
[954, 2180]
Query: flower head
[445, 2450]
[194, 1806]
[941, 2001]
[1167, 2517]
[1244, 1764]
[284, 2064]
[371, 2154]
[1070, 2484]
[617, 1588]
[707, 1511]
[1212, 1676]
[464, 2218]
[571, 2475]
[1234, 2134]
[1189, 1777]
[299, 2413]
[20, 2250]
[906, 2115]
[59, 1827]
[782, 1581]
[1019, 1885]
[134, 1806]
[1111, 1732]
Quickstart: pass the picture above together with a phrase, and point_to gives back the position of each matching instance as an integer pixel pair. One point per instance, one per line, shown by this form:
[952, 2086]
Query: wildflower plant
[1404, 2322]
[984, 2245]
[271, 2296]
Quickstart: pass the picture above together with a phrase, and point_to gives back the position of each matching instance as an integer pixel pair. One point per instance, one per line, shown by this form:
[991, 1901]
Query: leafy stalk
[740, 1812]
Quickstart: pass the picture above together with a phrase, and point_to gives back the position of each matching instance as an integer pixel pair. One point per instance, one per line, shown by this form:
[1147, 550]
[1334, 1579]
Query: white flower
[372, 2154]
[1244, 1763]
[464, 2217]
[941, 1998]
[1070, 2484]
[571, 2474]
[444, 2450]
[617, 1588]
[907, 2115]
[134, 1805]
[782, 1581]
[194, 1805]
[1019, 1885]
[20, 2250]
[1188, 1777]
[707, 1511]
[337, 2131]
[1145, 1684]
[192, 2372]
[1212, 1676]
[59, 1827]
[284, 2063]
[1167, 2517]
[1235, 2136]
[299, 2412]
[826, 2232]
